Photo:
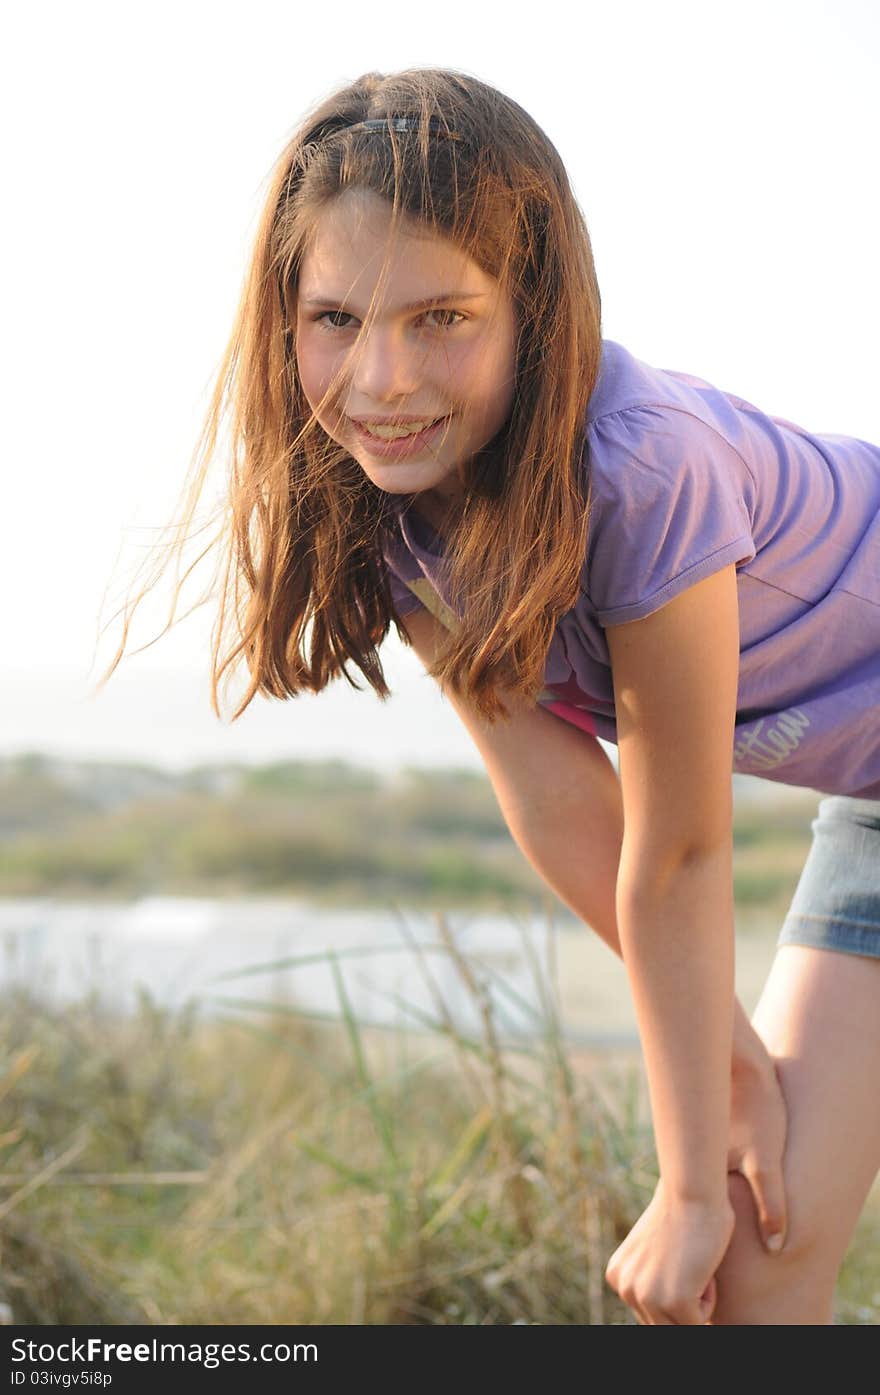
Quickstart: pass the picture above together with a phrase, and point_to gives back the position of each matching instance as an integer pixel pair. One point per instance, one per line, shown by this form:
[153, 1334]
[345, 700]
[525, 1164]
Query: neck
[441, 514]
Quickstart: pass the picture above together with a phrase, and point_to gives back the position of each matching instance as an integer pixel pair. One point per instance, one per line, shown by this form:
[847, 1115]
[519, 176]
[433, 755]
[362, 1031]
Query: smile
[391, 441]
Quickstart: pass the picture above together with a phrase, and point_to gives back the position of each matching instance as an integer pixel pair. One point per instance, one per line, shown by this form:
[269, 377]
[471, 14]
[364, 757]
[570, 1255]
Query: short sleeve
[672, 502]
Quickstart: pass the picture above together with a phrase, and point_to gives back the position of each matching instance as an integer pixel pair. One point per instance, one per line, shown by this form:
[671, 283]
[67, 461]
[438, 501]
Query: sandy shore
[593, 991]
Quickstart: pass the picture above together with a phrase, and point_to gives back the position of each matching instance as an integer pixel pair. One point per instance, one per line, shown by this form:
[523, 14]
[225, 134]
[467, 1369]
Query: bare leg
[819, 1017]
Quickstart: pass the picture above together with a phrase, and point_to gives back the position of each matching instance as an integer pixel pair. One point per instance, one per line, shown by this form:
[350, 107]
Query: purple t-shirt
[685, 480]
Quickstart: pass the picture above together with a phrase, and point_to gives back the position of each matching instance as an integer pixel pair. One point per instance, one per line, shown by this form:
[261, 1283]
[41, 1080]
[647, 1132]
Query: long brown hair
[303, 586]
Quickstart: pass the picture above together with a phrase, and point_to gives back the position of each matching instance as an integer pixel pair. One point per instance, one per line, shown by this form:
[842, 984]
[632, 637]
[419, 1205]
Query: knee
[803, 1237]
[755, 1285]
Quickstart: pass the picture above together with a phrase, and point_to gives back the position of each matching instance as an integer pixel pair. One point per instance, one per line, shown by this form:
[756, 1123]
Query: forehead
[352, 239]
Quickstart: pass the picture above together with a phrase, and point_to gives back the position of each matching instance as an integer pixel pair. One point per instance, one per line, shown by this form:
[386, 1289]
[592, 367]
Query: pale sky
[724, 155]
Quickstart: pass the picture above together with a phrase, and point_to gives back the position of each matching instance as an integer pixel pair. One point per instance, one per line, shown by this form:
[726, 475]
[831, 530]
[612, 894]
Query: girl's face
[454, 360]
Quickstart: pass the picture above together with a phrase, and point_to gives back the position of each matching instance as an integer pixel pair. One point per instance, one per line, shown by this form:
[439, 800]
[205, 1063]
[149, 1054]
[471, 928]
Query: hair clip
[405, 123]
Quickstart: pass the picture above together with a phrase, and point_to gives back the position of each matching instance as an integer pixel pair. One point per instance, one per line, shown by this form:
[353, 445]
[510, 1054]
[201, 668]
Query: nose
[384, 367]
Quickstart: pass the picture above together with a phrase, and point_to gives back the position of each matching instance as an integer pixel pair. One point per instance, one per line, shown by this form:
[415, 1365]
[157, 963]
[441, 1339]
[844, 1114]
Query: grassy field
[292, 1169]
[285, 1169]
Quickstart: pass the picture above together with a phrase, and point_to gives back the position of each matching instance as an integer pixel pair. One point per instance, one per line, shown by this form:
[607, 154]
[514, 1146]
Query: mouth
[386, 441]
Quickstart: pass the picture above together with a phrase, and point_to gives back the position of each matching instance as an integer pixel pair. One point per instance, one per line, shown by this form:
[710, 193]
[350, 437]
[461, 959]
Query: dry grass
[277, 1167]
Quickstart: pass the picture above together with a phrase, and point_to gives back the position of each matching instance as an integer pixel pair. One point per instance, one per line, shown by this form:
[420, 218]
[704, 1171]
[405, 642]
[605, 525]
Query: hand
[665, 1268]
[758, 1126]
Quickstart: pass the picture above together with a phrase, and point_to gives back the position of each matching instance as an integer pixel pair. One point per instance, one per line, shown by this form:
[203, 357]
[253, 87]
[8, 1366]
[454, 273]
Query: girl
[429, 430]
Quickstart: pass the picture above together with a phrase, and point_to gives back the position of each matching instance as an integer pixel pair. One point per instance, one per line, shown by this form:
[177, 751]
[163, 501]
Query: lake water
[279, 951]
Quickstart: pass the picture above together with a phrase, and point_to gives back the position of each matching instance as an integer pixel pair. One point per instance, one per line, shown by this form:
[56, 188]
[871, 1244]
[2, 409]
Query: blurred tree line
[330, 830]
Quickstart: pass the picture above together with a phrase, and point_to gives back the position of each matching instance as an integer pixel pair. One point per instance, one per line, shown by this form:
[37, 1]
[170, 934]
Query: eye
[457, 313]
[320, 319]
[326, 315]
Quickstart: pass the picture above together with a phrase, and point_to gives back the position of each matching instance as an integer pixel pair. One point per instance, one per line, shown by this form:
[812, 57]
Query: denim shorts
[837, 901]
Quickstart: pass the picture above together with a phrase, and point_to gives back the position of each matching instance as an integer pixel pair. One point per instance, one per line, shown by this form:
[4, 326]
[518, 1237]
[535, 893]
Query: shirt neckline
[417, 532]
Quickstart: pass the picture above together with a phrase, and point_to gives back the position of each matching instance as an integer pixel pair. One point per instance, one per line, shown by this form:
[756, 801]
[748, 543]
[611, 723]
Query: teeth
[394, 433]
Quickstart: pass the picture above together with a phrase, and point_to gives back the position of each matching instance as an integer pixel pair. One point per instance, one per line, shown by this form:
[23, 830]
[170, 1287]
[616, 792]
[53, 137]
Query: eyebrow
[415, 305]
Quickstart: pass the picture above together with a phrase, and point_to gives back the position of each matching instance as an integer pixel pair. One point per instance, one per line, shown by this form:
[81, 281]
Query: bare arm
[563, 803]
[675, 686]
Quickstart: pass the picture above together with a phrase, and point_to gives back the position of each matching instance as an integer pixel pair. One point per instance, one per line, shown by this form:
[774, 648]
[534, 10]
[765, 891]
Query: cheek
[471, 371]
[488, 380]
[315, 368]
[306, 358]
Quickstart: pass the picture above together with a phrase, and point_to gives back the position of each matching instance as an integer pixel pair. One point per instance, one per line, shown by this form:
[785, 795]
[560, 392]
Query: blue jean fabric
[837, 901]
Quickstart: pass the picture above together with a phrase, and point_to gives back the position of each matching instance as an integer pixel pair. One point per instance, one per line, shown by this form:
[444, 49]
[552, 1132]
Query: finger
[768, 1190]
[642, 1315]
[708, 1300]
[687, 1314]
